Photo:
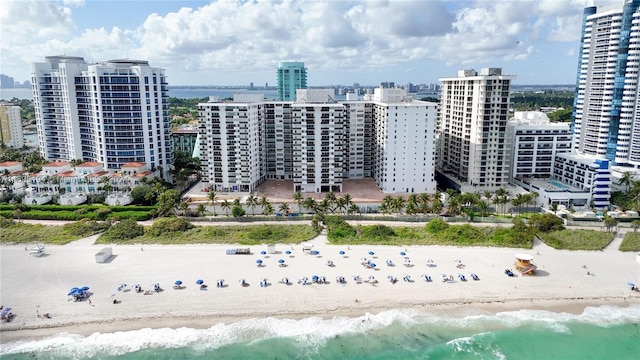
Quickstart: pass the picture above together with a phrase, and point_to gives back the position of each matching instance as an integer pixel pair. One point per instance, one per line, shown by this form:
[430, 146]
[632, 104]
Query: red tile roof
[10, 163]
[143, 174]
[99, 173]
[89, 164]
[133, 165]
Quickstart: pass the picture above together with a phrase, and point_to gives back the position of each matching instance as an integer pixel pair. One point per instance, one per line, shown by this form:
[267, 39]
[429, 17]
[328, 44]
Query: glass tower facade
[291, 76]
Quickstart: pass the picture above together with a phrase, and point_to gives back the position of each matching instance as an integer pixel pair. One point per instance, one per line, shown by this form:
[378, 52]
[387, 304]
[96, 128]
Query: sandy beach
[39, 285]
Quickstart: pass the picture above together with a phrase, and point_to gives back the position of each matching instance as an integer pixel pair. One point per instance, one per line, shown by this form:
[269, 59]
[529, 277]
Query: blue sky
[235, 42]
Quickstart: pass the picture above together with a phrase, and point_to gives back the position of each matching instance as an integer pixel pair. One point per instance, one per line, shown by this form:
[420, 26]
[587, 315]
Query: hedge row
[77, 207]
[74, 216]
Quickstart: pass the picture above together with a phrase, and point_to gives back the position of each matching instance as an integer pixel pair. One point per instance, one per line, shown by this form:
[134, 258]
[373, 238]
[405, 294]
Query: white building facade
[11, 126]
[474, 146]
[114, 112]
[389, 138]
[536, 141]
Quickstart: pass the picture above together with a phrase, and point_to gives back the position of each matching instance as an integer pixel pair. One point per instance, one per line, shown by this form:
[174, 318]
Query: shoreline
[574, 306]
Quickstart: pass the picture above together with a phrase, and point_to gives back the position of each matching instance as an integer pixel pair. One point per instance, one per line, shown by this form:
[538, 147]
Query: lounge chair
[461, 277]
[474, 276]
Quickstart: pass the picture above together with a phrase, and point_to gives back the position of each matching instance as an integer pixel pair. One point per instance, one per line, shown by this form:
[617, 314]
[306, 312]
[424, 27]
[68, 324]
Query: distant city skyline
[242, 42]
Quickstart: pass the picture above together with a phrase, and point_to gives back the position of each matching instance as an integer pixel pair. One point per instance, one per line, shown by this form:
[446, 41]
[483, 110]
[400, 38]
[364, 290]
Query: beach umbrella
[631, 284]
[74, 291]
[122, 286]
[407, 261]
[372, 265]
[430, 261]
[178, 282]
[199, 281]
[371, 253]
[281, 261]
[371, 277]
[314, 278]
[288, 252]
[5, 311]
[458, 261]
[315, 252]
[263, 252]
[258, 261]
[402, 253]
[84, 288]
[341, 252]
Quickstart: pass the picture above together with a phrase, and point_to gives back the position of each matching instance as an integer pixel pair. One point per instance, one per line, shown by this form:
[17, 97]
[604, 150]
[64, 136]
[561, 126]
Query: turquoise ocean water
[604, 332]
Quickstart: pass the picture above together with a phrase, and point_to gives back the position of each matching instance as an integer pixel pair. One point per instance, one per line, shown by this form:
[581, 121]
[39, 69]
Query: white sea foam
[311, 332]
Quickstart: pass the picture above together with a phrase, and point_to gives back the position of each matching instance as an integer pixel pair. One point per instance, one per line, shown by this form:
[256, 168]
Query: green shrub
[85, 227]
[462, 235]
[237, 211]
[124, 230]
[377, 233]
[168, 225]
[6, 222]
[265, 234]
[436, 225]
[546, 222]
[103, 212]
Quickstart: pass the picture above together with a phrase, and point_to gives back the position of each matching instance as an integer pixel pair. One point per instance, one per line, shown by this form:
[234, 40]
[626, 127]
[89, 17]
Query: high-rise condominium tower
[114, 112]
[474, 148]
[11, 126]
[605, 116]
[291, 76]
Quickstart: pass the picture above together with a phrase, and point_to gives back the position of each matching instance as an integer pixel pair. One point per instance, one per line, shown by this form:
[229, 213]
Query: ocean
[604, 332]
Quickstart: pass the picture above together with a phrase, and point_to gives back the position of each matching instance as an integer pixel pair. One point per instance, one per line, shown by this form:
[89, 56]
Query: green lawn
[577, 239]
[631, 242]
[20, 233]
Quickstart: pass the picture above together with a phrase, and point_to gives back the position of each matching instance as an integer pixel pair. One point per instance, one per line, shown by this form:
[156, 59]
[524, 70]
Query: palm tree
[437, 206]
[297, 196]
[184, 206]
[284, 208]
[354, 209]
[554, 207]
[201, 209]
[310, 204]
[252, 201]
[212, 200]
[331, 199]
[386, 207]
[635, 224]
[626, 180]
[264, 202]
[225, 206]
[487, 194]
[347, 199]
[267, 209]
[398, 205]
[610, 222]
[484, 208]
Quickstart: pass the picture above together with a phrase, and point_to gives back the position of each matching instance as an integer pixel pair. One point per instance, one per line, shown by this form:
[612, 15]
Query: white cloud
[236, 36]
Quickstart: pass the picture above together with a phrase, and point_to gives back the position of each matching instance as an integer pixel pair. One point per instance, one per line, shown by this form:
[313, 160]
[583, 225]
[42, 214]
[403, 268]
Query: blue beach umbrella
[281, 261]
[315, 252]
[288, 252]
[199, 281]
[263, 252]
[84, 288]
[314, 278]
[371, 253]
[258, 261]
[178, 282]
[631, 284]
[341, 252]
[372, 265]
[402, 253]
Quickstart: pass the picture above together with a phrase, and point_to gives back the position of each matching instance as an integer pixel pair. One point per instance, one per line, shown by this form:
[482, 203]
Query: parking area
[361, 191]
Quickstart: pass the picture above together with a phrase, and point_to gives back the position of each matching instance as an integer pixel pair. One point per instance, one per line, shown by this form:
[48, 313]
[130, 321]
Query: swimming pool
[558, 184]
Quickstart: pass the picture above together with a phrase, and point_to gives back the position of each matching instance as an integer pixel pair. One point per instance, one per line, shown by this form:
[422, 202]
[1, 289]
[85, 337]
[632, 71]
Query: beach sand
[38, 285]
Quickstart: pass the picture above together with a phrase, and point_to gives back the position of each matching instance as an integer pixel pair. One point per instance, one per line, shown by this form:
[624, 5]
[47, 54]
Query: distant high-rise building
[6, 82]
[114, 112]
[291, 77]
[474, 109]
[606, 120]
[11, 126]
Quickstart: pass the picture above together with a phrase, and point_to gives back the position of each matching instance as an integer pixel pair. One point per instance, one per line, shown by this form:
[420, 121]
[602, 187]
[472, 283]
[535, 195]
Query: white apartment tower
[11, 133]
[474, 110]
[230, 145]
[536, 142]
[318, 143]
[605, 119]
[114, 112]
